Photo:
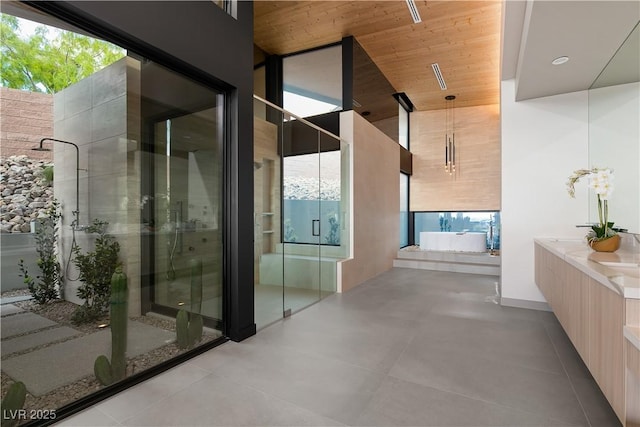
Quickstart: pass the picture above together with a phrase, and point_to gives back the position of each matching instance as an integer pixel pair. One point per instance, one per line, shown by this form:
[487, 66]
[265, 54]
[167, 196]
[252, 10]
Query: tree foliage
[47, 61]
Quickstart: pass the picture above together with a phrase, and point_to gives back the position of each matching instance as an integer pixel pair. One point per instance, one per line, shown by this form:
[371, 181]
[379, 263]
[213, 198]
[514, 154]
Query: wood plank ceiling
[463, 37]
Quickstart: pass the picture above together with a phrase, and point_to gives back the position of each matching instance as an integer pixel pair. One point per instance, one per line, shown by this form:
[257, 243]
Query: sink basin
[619, 264]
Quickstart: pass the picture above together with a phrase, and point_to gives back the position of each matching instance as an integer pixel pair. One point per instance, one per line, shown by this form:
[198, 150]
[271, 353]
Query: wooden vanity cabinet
[592, 316]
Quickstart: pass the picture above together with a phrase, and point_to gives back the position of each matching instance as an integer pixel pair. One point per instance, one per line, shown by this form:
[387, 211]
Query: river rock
[24, 194]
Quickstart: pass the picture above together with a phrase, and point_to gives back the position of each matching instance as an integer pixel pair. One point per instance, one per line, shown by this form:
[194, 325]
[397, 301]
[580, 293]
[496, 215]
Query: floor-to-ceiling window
[404, 109]
[123, 225]
[182, 178]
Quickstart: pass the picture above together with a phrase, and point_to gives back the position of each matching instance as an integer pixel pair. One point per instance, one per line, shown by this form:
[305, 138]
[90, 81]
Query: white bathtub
[451, 241]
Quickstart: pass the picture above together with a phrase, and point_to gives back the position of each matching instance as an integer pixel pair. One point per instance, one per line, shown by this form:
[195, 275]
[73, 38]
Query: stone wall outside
[25, 118]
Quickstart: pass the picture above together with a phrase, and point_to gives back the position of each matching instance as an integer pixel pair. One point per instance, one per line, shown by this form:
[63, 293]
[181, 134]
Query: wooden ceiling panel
[463, 37]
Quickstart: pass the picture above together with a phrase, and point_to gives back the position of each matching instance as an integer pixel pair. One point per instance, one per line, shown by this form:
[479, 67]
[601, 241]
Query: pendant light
[450, 136]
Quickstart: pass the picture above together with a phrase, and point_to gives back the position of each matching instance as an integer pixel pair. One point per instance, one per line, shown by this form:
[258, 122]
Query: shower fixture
[76, 213]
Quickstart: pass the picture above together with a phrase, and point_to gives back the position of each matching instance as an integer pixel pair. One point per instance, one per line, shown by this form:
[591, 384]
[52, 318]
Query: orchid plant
[601, 180]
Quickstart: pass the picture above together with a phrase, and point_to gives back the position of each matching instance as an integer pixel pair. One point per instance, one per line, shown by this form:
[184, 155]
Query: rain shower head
[41, 148]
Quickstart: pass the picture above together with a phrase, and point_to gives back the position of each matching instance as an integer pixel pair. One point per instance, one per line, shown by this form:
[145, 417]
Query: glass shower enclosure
[183, 207]
[300, 212]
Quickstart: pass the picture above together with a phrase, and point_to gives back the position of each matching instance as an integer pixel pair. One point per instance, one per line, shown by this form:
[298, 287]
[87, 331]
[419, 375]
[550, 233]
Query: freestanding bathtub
[452, 241]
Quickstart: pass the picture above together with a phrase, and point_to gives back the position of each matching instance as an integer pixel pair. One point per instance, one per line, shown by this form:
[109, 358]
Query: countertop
[620, 271]
[620, 274]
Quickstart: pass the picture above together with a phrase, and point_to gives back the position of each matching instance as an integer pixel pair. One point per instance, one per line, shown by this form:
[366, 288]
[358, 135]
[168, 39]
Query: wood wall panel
[476, 183]
[376, 203]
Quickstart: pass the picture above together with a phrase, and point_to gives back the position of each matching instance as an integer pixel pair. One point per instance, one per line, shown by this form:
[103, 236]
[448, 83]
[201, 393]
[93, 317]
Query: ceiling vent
[413, 9]
[436, 71]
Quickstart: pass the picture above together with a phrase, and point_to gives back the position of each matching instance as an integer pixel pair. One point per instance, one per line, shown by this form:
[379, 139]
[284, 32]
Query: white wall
[543, 141]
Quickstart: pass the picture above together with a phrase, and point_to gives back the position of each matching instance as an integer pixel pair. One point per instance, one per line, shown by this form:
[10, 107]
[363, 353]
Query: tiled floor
[407, 348]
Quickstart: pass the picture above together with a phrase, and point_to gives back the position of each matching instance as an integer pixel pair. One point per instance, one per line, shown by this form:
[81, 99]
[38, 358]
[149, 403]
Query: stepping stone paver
[9, 300]
[7, 309]
[13, 345]
[22, 323]
[60, 364]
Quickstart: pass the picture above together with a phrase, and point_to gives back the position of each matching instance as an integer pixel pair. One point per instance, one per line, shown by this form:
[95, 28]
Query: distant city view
[459, 222]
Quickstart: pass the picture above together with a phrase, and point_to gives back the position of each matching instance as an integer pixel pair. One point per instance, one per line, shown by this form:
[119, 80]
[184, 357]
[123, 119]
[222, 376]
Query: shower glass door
[297, 228]
[187, 214]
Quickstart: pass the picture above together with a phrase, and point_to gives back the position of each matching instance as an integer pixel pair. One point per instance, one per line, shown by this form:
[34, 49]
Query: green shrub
[48, 285]
[95, 271]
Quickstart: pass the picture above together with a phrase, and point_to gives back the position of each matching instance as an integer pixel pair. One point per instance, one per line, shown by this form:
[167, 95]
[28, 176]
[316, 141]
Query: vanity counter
[596, 298]
[619, 271]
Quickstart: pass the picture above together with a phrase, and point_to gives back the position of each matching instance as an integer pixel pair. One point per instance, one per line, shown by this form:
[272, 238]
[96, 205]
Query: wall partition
[299, 212]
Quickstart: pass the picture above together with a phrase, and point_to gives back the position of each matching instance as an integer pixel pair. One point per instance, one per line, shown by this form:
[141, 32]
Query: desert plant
[13, 402]
[47, 174]
[290, 235]
[48, 285]
[189, 325]
[106, 372]
[333, 236]
[95, 271]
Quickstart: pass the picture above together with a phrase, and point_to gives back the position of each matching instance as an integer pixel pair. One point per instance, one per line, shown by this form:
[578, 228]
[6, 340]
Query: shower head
[257, 165]
[41, 148]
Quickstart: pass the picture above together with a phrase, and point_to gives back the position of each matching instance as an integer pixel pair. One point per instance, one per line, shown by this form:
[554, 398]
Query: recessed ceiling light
[413, 10]
[560, 60]
[438, 74]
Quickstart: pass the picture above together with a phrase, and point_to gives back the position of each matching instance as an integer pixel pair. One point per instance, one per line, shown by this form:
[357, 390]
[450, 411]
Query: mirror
[614, 134]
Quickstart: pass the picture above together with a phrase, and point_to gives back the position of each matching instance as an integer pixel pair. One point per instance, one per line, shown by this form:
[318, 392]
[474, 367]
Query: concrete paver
[14, 345]
[46, 369]
[22, 323]
[7, 309]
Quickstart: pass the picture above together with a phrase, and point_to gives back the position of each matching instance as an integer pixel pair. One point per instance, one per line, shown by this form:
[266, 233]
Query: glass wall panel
[456, 222]
[128, 230]
[313, 82]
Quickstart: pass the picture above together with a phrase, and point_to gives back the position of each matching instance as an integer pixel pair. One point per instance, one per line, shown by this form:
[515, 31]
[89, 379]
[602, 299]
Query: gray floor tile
[492, 381]
[371, 342]
[568, 355]
[328, 387]
[217, 401]
[402, 403]
[599, 412]
[517, 342]
[133, 401]
[92, 417]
